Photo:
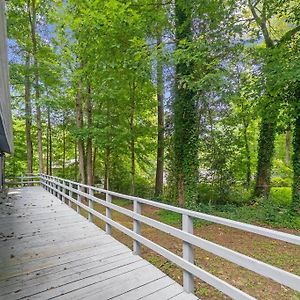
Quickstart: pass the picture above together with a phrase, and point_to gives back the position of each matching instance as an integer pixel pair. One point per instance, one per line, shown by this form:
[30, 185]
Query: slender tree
[28, 115]
[32, 13]
[89, 144]
[80, 141]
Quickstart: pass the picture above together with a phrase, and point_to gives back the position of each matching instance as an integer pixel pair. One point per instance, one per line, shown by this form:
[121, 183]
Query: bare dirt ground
[279, 254]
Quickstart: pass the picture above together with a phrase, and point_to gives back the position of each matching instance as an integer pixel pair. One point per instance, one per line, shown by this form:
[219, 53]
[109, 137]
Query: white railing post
[78, 198]
[22, 180]
[108, 213]
[60, 188]
[55, 186]
[51, 186]
[91, 204]
[188, 254]
[64, 191]
[137, 208]
[48, 183]
[70, 193]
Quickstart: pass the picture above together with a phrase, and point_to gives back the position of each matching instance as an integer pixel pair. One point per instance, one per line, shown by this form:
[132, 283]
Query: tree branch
[289, 35]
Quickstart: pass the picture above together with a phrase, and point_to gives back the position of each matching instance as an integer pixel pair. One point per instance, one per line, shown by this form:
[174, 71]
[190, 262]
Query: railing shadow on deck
[65, 190]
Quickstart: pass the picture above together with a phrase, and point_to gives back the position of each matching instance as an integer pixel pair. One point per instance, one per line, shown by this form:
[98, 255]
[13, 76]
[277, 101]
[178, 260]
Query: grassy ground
[277, 253]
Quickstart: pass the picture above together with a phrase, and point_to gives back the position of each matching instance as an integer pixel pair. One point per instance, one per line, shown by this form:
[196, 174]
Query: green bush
[237, 195]
[281, 195]
[261, 213]
[281, 182]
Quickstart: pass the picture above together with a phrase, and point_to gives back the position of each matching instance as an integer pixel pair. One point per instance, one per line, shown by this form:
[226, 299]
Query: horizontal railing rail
[66, 189]
[23, 180]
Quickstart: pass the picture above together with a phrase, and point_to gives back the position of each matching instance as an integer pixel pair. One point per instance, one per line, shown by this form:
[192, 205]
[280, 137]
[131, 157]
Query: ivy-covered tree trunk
[185, 114]
[247, 148]
[267, 129]
[265, 155]
[296, 166]
[160, 123]
[28, 116]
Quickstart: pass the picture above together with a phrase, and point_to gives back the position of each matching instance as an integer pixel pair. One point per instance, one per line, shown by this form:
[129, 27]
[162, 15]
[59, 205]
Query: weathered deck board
[49, 251]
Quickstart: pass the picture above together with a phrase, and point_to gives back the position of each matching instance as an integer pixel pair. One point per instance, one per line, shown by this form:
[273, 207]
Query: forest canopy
[195, 103]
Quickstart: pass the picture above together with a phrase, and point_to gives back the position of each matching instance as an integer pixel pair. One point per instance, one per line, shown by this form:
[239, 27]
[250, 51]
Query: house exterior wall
[6, 135]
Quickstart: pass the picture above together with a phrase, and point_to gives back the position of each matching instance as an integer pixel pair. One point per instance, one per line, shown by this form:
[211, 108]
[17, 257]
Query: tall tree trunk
[28, 116]
[89, 146]
[296, 165]
[248, 158]
[132, 140]
[49, 130]
[64, 148]
[288, 146]
[47, 149]
[265, 155]
[94, 163]
[75, 161]
[107, 153]
[267, 128]
[160, 121]
[80, 142]
[185, 115]
[107, 168]
[32, 19]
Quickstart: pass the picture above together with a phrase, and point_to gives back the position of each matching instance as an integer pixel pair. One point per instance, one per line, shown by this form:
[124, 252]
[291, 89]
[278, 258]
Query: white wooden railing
[23, 180]
[73, 192]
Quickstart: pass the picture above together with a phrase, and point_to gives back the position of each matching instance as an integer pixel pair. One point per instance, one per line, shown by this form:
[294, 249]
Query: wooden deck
[48, 251]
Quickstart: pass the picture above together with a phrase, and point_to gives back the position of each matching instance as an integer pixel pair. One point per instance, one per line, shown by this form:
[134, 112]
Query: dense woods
[196, 103]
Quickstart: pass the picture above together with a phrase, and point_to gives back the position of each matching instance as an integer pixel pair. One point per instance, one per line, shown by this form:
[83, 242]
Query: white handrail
[58, 186]
[274, 234]
[24, 180]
